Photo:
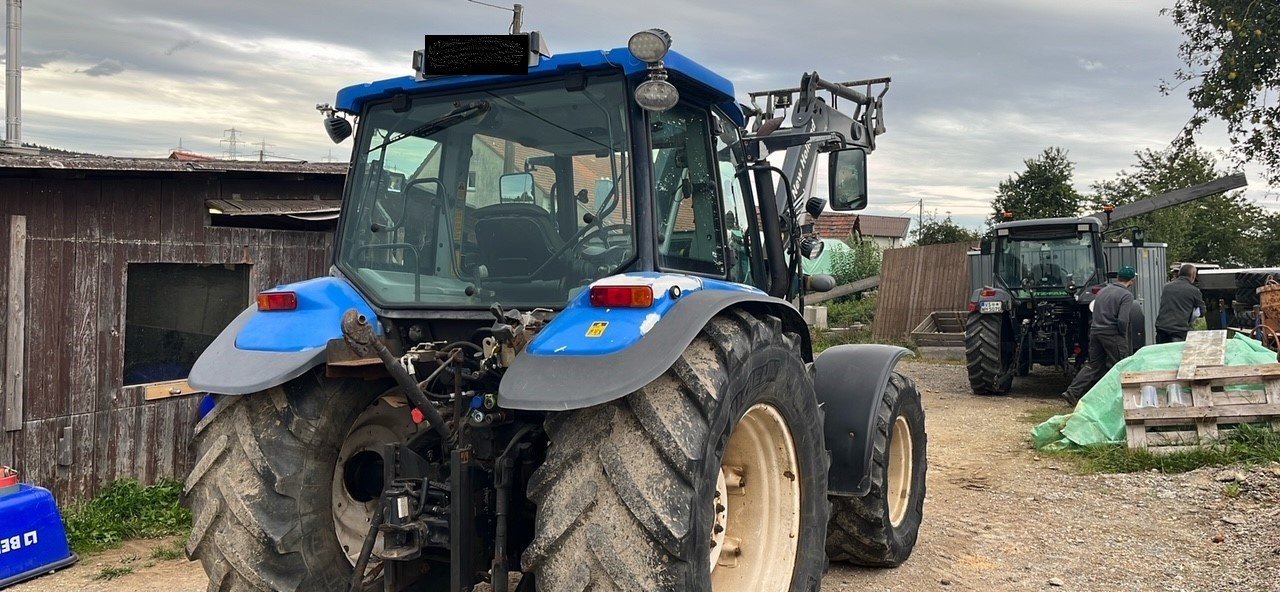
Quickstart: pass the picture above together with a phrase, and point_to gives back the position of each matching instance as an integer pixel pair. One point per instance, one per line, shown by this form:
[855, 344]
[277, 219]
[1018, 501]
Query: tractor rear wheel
[880, 528]
[985, 354]
[711, 478]
[286, 480]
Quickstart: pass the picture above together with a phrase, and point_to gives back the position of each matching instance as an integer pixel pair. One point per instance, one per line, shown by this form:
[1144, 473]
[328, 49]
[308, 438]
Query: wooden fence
[915, 281]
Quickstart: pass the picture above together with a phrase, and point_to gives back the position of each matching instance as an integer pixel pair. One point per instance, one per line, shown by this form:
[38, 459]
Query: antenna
[233, 143]
[517, 13]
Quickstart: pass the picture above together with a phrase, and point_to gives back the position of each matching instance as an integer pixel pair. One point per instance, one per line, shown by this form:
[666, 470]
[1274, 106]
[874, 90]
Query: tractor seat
[513, 239]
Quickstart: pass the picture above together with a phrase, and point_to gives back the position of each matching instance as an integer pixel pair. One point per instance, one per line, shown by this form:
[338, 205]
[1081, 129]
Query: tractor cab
[1054, 257]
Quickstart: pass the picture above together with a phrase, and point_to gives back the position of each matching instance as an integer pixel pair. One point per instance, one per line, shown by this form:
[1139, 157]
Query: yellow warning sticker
[597, 328]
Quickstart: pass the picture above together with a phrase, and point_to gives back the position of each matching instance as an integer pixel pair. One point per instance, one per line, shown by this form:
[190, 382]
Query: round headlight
[650, 46]
[657, 95]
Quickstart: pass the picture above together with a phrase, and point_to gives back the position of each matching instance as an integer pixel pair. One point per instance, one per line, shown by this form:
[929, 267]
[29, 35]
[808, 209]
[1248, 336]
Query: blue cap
[1126, 273]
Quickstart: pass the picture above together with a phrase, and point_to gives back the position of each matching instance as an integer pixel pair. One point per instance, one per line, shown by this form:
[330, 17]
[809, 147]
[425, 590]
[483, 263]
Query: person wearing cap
[1180, 303]
[1108, 340]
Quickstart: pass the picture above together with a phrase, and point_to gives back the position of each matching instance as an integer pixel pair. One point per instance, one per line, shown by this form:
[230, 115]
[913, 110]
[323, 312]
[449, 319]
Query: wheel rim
[756, 506]
[900, 461]
[357, 476]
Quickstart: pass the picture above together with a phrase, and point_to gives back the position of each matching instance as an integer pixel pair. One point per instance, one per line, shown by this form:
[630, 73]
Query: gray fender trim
[849, 381]
[562, 383]
[225, 369]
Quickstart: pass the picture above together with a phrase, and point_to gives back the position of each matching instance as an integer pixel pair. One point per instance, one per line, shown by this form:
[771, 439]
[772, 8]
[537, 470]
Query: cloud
[32, 60]
[181, 45]
[1089, 65]
[107, 67]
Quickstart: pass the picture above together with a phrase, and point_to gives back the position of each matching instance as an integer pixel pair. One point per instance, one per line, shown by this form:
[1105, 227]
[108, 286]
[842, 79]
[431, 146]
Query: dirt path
[997, 517]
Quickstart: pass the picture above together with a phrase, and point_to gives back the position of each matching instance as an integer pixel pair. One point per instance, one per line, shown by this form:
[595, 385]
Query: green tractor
[558, 340]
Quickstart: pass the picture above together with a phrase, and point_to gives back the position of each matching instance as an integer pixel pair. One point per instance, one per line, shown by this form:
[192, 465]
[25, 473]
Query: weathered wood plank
[1190, 414]
[83, 328]
[1252, 374]
[16, 327]
[1202, 349]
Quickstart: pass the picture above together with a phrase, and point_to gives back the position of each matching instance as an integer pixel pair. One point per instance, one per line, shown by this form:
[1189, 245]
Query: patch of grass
[112, 572]
[126, 510]
[844, 312]
[169, 552]
[1231, 490]
[1247, 445]
[1039, 415]
[825, 339]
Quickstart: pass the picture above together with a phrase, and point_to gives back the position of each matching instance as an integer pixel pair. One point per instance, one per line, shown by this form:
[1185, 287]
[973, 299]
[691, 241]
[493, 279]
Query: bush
[126, 510]
[845, 312]
[862, 260]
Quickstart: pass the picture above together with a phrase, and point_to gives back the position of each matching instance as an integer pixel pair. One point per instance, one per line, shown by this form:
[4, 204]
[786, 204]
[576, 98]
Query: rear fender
[259, 350]
[589, 356]
[850, 381]
[996, 295]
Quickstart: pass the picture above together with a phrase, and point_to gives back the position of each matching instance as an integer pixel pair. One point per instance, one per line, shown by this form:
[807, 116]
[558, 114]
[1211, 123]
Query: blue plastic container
[33, 541]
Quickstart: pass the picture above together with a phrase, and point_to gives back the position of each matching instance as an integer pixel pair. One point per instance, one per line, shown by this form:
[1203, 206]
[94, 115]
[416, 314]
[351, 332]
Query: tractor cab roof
[686, 74]
[1043, 222]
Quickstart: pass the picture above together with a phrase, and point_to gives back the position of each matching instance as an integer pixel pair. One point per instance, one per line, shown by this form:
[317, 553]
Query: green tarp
[1099, 416]
[824, 261]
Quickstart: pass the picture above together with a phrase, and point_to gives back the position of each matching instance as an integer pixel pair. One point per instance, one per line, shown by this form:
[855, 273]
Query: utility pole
[262, 150]
[920, 219]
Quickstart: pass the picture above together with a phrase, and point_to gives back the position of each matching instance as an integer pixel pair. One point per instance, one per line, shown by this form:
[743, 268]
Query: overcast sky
[978, 86]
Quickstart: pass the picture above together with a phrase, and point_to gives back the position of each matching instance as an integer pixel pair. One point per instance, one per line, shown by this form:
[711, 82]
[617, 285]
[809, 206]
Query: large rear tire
[985, 354]
[262, 495]
[711, 478]
[880, 528]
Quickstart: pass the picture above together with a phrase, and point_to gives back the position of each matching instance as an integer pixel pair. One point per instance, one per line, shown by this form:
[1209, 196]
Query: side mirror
[820, 282]
[516, 187]
[847, 178]
[985, 246]
[1139, 237]
[395, 181]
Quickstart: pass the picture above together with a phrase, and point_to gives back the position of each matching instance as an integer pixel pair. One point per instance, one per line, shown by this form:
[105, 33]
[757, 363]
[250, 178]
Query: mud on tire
[625, 495]
[866, 530]
[260, 490]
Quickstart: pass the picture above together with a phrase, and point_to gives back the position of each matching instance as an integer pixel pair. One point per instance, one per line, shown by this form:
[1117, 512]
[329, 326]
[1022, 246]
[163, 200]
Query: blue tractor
[559, 345]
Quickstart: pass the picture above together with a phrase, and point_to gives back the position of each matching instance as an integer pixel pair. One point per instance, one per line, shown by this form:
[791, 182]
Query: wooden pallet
[1213, 410]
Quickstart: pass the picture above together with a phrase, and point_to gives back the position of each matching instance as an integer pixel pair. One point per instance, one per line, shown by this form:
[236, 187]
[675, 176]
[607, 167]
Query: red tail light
[621, 296]
[269, 301]
[973, 307]
[1077, 350]
[988, 292]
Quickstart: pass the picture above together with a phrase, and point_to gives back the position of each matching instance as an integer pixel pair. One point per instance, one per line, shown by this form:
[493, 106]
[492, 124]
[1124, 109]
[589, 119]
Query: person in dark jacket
[1180, 303]
[1108, 342]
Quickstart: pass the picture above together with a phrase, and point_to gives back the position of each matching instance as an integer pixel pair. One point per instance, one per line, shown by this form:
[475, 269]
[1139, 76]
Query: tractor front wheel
[286, 481]
[711, 478]
[880, 528]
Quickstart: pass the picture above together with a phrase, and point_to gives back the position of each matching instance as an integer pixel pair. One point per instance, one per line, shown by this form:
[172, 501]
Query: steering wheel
[601, 233]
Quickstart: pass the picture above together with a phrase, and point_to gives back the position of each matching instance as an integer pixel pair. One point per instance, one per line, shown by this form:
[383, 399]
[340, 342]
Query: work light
[650, 46]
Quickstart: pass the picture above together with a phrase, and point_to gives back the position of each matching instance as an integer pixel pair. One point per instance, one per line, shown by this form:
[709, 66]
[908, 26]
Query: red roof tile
[840, 225]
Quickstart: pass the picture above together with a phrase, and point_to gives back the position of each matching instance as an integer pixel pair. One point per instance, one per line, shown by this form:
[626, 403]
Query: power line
[233, 143]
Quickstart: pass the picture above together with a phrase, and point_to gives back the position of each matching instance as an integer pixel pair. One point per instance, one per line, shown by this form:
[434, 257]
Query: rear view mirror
[847, 177]
[516, 188]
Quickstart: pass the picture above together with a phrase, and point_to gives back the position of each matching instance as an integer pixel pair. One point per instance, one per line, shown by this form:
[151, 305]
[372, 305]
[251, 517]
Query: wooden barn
[118, 273]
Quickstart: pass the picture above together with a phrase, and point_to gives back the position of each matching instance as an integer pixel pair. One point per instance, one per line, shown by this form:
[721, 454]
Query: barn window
[173, 311]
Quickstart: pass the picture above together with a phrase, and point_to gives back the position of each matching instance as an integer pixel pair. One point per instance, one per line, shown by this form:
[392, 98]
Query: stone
[1228, 476]
[1235, 520]
[1056, 582]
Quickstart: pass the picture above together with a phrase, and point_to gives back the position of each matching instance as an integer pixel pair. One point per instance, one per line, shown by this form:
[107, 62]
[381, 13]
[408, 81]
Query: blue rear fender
[259, 350]
[590, 355]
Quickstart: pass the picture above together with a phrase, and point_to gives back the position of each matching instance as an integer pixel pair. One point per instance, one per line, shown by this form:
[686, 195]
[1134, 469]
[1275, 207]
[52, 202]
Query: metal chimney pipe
[13, 77]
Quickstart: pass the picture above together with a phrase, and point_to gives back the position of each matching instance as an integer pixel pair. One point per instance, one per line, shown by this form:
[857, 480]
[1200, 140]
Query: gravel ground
[997, 517]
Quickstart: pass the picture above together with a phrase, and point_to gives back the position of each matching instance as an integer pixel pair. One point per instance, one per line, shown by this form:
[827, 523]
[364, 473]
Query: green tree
[862, 260]
[1043, 190]
[1231, 51]
[1225, 229]
[1270, 241]
[937, 232]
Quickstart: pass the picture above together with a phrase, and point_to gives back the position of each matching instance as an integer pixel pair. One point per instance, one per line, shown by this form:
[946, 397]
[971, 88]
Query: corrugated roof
[840, 225]
[77, 163]
[267, 207]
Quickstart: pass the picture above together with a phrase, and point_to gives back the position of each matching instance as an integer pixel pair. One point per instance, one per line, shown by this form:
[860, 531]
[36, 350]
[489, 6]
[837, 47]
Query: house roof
[10, 165]
[840, 225]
